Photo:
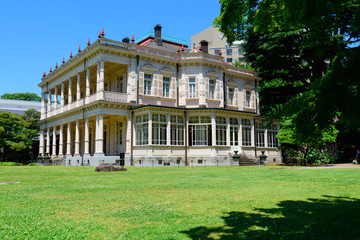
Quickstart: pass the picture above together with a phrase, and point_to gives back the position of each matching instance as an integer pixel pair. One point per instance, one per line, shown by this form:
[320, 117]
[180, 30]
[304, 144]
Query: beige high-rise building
[217, 41]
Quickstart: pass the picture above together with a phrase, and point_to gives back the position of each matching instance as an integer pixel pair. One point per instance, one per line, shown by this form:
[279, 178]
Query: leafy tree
[308, 53]
[17, 135]
[22, 96]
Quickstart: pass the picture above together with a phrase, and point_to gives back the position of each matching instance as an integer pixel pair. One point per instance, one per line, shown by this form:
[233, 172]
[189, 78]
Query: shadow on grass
[326, 218]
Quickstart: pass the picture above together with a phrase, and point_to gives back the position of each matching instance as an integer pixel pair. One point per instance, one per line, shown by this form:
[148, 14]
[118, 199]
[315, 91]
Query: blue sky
[37, 34]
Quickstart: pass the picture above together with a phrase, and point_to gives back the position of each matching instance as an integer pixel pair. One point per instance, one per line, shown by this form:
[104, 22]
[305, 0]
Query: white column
[228, 131]
[49, 101]
[252, 133]
[54, 142]
[86, 147]
[61, 140]
[70, 93]
[213, 129]
[100, 135]
[168, 130]
[62, 94]
[41, 144]
[48, 141]
[100, 81]
[68, 142]
[266, 137]
[77, 138]
[150, 129]
[56, 99]
[128, 135]
[43, 108]
[240, 133]
[78, 89]
[87, 83]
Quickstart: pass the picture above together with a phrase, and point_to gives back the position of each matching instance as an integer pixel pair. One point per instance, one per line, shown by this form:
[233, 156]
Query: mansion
[156, 102]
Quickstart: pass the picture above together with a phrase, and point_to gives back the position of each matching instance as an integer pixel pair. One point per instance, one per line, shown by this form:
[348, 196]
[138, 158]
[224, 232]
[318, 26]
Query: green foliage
[22, 96]
[308, 54]
[239, 64]
[17, 134]
[10, 164]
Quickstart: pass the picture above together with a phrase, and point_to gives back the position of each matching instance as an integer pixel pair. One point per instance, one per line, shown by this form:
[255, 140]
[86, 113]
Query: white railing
[92, 98]
[115, 96]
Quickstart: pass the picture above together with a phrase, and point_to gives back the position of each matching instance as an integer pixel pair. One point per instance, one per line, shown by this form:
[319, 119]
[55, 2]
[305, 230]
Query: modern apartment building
[218, 43]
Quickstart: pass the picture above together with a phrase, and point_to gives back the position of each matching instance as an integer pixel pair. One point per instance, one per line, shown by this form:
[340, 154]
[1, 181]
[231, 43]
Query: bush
[10, 164]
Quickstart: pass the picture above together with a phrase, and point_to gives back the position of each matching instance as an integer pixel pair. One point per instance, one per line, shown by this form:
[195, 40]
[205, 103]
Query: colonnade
[53, 104]
[44, 146]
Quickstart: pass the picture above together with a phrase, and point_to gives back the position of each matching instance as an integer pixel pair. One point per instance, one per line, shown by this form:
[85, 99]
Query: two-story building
[156, 101]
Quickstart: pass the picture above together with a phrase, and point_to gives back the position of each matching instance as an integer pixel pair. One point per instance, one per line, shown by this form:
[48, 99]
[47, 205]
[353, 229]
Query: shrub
[10, 164]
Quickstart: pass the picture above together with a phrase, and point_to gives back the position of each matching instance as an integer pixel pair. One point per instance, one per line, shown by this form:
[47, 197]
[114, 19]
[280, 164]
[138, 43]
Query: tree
[18, 134]
[22, 96]
[307, 53]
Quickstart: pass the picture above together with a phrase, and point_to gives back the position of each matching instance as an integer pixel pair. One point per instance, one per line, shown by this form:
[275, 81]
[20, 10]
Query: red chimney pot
[71, 54]
[63, 60]
[79, 49]
[50, 69]
[132, 39]
[88, 42]
[102, 33]
[56, 66]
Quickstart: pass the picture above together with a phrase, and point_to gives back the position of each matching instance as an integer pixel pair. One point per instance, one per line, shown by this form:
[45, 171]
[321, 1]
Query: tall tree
[306, 51]
[22, 96]
[17, 135]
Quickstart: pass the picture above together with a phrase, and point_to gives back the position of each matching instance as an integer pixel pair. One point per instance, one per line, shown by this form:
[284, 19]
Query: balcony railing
[115, 96]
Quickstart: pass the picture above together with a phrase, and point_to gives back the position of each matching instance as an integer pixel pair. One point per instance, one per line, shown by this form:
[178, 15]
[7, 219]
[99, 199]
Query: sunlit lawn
[180, 203]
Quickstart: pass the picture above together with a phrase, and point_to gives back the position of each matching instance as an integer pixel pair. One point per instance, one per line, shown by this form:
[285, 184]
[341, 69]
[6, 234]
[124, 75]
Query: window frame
[246, 132]
[148, 83]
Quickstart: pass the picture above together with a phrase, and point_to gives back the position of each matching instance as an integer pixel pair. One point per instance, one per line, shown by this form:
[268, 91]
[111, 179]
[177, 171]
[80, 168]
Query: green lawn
[180, 203]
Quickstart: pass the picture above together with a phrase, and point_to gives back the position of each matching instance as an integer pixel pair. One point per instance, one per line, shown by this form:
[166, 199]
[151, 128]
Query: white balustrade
[115, 96]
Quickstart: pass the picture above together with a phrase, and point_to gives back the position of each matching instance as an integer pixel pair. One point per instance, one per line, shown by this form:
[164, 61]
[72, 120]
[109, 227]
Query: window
[220, 131]
[260, 135]
[241, 59]
[234, 132]
[192, 88]
[200, 131]
[212, 89]
[200, 161]
[231, 96]
[229, 52]
[160, 162]
[166, 87]
[177, 130]
[248, 98]
[271, 133]
[142, 129]
[229, 60]
[240, 51]
[147, 84]
[246, 132]
[159, 129]
[217, 52]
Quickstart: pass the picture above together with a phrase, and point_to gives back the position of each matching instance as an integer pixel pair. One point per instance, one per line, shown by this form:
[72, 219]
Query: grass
[180, 203]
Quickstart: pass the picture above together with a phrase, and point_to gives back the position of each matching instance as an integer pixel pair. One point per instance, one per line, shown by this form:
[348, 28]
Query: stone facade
[157, 104]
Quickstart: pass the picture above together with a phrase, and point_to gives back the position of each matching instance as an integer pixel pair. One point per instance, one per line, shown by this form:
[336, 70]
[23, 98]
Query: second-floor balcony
[109, 96]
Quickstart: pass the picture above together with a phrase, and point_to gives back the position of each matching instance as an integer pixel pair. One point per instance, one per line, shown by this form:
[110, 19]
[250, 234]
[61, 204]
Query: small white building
[18, 106]
[156, 101]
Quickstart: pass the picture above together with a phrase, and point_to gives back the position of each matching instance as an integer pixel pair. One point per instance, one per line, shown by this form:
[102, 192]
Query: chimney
[204, 44]
[126, 40]
[158, 39]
